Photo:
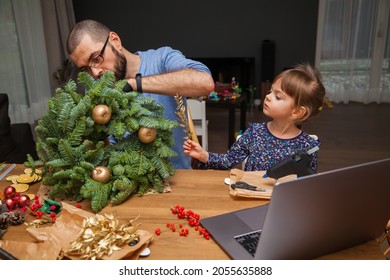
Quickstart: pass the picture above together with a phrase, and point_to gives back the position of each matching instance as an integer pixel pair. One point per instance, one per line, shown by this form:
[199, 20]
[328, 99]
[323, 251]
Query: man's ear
[115, 40]
[300, 113]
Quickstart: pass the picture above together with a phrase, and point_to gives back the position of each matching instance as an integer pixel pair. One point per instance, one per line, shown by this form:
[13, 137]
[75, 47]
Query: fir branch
[122, 183]
[68, 188]
[126, 190]
[148, 122]
[120, 85]
[160, 167]
[144, 185]
[58, 163]
[42, 151]
[76, 136]
[52, 141]
[144, 164]
[166, 138]
[96, 156]
[70, 86]
[166, 124]
[78, 111]
[157, 184]
[63, 118]
[48, 180]
[98, 192]
[164, 151]
[117, 129]
[132, 124]
[63, 174]
[87, 165]
[146, 112]
[76, 176]
[85, 80]
[145, 101]
[131, 171]
[66, 151]
[82, 170]
[128, 97]
[118, 170]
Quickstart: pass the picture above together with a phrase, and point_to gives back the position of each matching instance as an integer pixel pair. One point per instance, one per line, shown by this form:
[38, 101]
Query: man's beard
[120, 65]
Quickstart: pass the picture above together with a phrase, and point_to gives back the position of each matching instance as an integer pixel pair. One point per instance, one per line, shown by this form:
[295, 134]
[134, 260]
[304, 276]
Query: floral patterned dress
[262, 150]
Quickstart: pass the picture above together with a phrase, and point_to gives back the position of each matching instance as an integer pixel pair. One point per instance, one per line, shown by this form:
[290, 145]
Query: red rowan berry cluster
[36, 210]
[193, 221]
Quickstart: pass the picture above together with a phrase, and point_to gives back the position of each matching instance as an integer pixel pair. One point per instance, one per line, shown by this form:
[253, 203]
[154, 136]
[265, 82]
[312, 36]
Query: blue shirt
[165, 60]
[262, 150]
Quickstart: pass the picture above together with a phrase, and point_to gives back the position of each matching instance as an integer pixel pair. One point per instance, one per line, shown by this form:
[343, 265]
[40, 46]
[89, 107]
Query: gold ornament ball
[147, 134]
[101, 174]
[101, 114]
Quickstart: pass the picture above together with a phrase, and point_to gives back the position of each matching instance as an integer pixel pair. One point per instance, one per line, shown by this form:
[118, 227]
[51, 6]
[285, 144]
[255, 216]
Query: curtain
[353, 50]
[33, 46]
[58, 18]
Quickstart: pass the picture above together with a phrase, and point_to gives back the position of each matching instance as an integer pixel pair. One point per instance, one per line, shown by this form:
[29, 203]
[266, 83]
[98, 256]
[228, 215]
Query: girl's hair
[96, 30]
[303, 84]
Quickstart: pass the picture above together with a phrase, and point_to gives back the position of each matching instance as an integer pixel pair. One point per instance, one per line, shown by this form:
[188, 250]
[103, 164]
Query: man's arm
[186, 82]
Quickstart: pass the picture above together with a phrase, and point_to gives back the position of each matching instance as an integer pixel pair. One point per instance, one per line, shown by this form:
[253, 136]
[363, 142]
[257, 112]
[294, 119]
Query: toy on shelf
[226, 91]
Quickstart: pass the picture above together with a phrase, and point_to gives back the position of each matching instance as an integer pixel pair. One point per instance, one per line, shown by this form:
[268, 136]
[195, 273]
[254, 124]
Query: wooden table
[202, 191]
[232, 105]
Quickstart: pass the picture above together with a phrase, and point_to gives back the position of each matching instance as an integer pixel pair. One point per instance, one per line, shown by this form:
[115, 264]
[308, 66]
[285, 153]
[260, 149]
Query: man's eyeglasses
[97, 60]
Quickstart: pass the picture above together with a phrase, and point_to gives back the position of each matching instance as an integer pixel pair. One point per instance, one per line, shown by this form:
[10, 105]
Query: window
[353, 49]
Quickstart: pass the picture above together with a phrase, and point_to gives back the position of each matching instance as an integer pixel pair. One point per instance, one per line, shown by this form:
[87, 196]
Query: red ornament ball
[10, 203]
[9, 192]
[23, 201]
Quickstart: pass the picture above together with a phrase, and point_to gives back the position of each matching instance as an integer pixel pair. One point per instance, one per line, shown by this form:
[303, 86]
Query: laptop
[311, 216]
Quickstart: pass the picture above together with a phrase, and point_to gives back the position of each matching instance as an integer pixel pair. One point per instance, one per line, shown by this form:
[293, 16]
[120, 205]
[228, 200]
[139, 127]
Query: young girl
[295, 96]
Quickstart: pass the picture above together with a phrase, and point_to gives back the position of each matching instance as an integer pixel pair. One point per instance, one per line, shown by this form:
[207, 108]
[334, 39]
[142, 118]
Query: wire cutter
[246, 186]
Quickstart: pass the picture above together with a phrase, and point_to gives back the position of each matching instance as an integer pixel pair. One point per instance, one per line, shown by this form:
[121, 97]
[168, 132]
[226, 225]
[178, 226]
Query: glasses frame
[95, 62]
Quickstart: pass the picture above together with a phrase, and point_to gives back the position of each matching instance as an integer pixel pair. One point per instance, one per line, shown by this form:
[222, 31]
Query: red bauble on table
[23, 201]
[9, 192]
[10, 202]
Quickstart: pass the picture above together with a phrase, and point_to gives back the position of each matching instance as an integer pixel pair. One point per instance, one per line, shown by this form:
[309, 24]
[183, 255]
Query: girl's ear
[300, 113]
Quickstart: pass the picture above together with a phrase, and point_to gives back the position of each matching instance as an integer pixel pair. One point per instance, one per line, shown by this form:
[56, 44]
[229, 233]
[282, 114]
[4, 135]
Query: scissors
[8, 170]
[246, 186]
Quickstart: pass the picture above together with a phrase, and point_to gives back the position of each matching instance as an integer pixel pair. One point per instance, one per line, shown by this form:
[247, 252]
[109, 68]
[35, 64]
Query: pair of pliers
[246, 186]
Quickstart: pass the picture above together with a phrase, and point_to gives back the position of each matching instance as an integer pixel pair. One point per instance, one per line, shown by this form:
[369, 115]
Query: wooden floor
[350, 134]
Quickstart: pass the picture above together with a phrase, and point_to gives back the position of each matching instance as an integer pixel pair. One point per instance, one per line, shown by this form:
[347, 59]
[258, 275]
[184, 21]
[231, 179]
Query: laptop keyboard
[249, 241]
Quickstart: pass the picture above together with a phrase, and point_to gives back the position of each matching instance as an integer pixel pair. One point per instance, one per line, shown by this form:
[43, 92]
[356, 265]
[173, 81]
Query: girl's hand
[194, 150]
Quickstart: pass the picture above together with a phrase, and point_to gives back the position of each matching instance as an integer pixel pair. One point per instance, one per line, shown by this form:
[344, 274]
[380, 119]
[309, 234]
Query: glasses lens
[97, 61]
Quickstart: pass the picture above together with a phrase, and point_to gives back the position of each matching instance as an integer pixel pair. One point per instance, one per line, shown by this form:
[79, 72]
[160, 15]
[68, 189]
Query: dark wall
[212, 28]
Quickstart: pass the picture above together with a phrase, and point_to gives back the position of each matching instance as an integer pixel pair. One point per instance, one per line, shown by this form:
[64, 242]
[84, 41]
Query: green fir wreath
[73, 146]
